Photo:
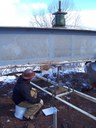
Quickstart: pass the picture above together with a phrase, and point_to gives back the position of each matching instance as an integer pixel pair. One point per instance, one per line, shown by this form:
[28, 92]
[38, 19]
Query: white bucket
[19, 112]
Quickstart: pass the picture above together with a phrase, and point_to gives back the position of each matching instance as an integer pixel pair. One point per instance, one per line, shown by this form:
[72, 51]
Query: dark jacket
[21, 92]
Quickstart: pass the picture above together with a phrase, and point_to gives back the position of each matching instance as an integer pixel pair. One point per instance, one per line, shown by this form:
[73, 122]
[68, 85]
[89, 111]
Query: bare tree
[44, 19]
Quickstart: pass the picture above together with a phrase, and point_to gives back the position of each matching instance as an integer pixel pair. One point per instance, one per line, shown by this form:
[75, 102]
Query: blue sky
[85, 4]
[18, 12]
[82, 4]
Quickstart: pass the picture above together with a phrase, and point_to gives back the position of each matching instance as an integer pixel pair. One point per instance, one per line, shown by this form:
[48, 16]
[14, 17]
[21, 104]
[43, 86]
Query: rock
[30, 125]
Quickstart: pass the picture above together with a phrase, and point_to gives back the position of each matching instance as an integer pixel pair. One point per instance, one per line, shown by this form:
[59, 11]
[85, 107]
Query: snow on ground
[7, 79]
[65, 69]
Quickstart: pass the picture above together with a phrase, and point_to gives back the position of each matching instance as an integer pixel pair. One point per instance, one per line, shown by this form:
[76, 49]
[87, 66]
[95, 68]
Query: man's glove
[41, 102]
[33, 92]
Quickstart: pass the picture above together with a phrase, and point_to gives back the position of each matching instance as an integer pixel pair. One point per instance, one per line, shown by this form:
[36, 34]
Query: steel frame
[58, 97]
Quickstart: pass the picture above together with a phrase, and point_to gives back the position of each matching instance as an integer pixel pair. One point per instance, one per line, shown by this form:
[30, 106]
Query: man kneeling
[25, 95]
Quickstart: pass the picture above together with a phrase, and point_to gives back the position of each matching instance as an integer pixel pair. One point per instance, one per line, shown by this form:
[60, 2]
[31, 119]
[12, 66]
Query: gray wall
[30, 45]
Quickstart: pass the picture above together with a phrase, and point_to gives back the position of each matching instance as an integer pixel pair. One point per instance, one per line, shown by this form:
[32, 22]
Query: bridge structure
[22, 45]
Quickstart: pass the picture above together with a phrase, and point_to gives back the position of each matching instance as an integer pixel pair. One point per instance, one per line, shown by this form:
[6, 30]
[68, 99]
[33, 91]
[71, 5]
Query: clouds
[9, 14]
[88, 18]
[19, 13]
[32, 6]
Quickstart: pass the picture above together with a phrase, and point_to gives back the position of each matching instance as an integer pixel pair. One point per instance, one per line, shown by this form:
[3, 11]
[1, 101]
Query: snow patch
[8, 79]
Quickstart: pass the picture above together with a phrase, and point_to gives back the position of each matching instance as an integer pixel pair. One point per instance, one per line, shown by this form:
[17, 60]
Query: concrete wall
[30, 45]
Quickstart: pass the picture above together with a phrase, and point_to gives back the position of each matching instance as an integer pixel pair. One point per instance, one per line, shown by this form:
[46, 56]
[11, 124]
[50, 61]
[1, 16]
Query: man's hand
[33, 92]
[41, 102]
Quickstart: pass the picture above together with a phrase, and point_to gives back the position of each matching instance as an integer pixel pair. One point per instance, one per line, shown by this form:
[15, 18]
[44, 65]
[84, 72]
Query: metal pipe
[78, 109]
[58, 76]
[64, 94]
[77, 92]
[83, 95]
[41, 88]
[69, 104]
[47, 80]
[59, 6]
[55, 120]
[46, 63]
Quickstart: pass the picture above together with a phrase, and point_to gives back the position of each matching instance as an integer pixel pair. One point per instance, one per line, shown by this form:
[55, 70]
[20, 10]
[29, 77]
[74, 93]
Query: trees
[44, 17]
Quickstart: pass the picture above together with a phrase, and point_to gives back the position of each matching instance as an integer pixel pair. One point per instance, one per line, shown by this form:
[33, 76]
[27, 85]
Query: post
[58, 75]
[59, 6]
[55, 119]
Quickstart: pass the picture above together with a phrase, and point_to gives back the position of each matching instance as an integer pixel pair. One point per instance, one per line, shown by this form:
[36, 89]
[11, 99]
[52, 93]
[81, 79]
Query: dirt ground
[67, 117]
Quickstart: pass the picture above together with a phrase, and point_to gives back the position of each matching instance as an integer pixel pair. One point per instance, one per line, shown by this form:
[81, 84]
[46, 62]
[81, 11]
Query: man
[25, 95]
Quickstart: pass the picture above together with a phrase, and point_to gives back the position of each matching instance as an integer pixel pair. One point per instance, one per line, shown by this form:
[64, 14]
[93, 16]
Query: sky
[86, 4]
[19, 12]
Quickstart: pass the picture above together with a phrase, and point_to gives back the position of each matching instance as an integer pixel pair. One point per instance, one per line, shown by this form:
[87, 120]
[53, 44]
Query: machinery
[90, 68]
[59, 19]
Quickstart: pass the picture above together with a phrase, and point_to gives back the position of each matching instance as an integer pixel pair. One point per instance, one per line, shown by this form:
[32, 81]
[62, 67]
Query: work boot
[26, 119]
[31, 117]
